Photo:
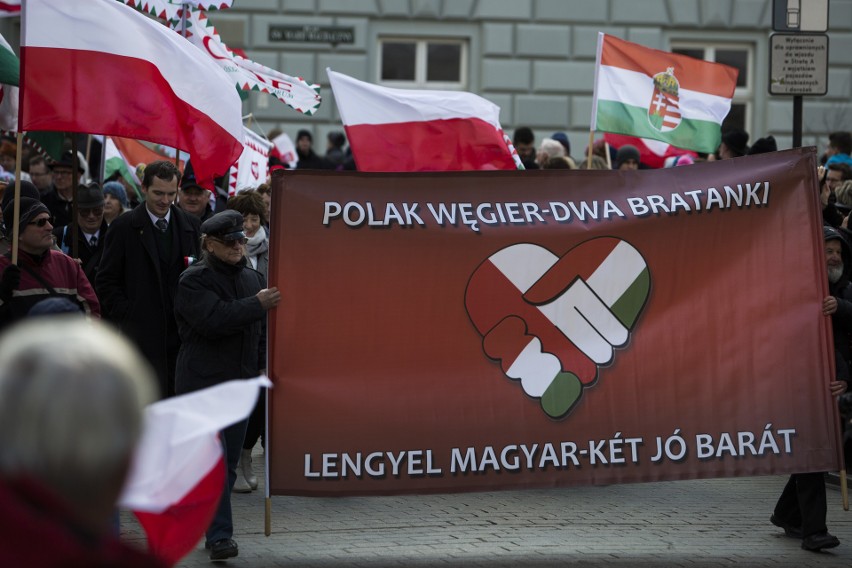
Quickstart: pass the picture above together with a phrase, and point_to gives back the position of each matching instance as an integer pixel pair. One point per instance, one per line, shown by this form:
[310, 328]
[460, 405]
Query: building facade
[533, 58]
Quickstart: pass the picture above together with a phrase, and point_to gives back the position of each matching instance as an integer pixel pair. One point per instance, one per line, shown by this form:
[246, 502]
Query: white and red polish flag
[178, 470]
[101, 67]
[402, 130]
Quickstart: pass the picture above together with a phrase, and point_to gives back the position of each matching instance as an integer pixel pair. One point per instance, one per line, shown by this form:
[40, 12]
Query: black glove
[10, 281]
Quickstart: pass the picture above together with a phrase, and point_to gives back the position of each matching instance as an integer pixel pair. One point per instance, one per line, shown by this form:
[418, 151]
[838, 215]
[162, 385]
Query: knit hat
[115, 189]
[626, 152]
[763, 145]
[562, 138]
[304, 134]
[736, 140]
[30, 208]
[28, 189]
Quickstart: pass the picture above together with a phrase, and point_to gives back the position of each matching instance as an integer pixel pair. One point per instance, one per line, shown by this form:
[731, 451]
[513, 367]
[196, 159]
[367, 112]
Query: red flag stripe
[693, 74]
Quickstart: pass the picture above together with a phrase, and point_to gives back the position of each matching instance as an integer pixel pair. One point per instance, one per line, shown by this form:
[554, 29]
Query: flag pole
[16, 208]
[75, 176]
[608, 155]
[844, 491]
[591, 142]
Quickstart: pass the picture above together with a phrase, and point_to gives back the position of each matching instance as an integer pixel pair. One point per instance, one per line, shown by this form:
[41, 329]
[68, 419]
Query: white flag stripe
[129, 34]
[636, 89]
[179, 443]
[616, 273]
[523, 264]
[534, 368]
[365, 103]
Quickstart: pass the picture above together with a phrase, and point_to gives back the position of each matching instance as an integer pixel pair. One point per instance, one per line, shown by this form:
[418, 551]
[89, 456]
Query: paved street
[696, 524]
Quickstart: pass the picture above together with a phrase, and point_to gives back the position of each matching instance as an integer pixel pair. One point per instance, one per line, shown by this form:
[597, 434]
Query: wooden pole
[75, 183]
[844, 491]
[591, 149]
[608, 155]
[16, 209]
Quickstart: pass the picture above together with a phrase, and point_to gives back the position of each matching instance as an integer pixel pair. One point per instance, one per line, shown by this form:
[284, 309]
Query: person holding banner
[801, 509]
[220, 308]
[251, 206]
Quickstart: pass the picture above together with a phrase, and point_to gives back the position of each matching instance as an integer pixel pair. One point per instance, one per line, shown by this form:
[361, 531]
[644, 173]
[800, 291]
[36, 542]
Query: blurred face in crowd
[834, 260]
[112, 206]
[251, 223]
[227, 251]
[36, 239]
[42, 178]
[833, 179]
[629, 164]
[725, 152]
[62, 179]
[90, 218]
[194, 200]
[525, 150]
[8, 162]
[160, 195]
[303, 144]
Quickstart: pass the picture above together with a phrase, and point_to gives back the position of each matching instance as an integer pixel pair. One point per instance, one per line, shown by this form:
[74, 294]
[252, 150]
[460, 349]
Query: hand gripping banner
[489, 330]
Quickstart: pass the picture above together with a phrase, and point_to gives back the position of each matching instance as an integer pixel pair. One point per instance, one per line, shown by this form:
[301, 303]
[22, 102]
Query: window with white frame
[423, 62]
[739, 56]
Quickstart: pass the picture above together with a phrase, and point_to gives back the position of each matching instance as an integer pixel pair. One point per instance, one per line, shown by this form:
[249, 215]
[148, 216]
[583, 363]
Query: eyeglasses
[94, 212]
[41, 222]
[230, 242]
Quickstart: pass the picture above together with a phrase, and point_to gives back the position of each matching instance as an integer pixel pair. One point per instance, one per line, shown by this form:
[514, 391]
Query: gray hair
[552, 148]
[72, 393]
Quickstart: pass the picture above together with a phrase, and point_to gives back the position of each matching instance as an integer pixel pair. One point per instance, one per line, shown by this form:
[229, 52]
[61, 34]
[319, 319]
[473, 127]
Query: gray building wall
[534, 58]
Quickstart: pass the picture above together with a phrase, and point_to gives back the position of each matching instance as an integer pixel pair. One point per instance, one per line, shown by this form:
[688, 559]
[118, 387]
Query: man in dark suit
[91, 229]
[144, 254]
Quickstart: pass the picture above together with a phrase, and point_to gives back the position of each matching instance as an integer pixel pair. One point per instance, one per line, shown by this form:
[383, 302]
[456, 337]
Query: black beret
[227, 225]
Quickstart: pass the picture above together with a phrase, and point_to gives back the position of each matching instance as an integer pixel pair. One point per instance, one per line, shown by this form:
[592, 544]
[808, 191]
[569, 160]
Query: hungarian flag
[401, 130]
[101, 67]
[178, 471]
[664, 96]
[9, 78]
[247, 75]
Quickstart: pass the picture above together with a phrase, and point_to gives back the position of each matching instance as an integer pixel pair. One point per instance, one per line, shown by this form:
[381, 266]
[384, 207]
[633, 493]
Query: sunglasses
[229, 242]
[95, 212]
[41, 222]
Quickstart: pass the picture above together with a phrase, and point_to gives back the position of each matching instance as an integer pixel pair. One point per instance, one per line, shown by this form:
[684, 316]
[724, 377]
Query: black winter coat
[221, 324]
[134, 293]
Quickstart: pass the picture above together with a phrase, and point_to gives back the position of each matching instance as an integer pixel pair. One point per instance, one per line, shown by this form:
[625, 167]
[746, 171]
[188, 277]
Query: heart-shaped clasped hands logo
[553, 321]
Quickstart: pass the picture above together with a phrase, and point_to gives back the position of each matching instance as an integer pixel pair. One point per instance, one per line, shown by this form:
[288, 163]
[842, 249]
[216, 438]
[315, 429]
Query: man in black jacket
[144, 254]
[801, 509]
[221, 307]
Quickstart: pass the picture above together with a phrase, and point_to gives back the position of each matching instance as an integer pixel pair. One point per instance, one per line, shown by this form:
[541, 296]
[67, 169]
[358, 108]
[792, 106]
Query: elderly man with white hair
[72, 393]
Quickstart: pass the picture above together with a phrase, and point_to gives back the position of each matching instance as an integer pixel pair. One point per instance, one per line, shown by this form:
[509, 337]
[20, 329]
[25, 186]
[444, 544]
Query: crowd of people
[182, 273]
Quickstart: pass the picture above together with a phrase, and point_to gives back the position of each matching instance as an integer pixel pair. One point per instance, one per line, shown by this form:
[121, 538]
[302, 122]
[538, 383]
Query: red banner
[487, 330]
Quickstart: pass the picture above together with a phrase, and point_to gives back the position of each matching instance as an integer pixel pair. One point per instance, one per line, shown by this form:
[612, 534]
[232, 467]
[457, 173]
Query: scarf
[258, 244]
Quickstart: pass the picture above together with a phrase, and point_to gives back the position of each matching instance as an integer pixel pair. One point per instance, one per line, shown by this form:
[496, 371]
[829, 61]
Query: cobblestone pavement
[695, 524]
